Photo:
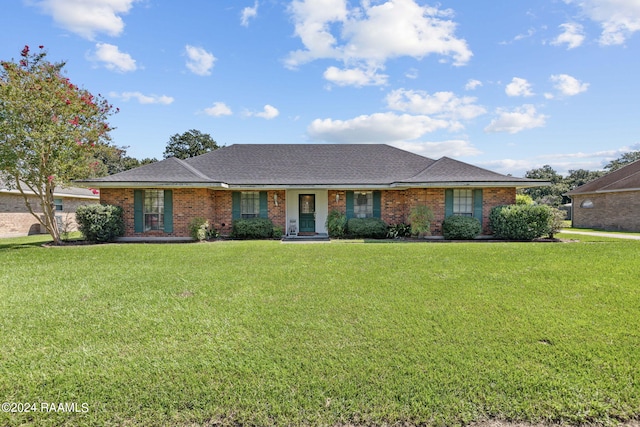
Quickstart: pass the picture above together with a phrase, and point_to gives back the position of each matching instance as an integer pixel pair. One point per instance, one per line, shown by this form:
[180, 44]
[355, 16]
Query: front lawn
[264, 333]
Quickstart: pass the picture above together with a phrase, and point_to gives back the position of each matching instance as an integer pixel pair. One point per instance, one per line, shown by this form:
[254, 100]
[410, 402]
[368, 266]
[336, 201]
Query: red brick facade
[188, 203]
[216, 207]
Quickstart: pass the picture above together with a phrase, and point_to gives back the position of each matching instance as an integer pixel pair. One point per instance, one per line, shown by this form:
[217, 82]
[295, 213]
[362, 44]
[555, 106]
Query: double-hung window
[363, 204]
[57, 204]
[250, 204]
[153, 210]
[463, 202]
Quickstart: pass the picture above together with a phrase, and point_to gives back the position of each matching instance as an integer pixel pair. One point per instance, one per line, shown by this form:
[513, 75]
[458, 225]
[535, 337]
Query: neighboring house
[15, 219]
[297, 185]
[611, 202]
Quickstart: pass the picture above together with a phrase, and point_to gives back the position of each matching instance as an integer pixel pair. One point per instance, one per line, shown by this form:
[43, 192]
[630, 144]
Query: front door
[307, 212]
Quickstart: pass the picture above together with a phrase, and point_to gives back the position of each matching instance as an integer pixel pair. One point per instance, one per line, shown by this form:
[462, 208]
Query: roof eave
[150, 184]
[474, 184]
[582, 193]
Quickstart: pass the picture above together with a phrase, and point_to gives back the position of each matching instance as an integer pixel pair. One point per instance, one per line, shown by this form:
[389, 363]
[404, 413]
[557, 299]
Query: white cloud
[367, 36]
[269, 112]
[248, 13]
[518, 87]
[218, 109]
[200, 61]
[355, 77]
[113, 59]
[560, 162]
[88, 17]
[375, 128]
[435, 150]
[567, 85]
[443, 105]
[619, 19]
[472, 84]
[525, 117]
[143, 99]
[573, 35]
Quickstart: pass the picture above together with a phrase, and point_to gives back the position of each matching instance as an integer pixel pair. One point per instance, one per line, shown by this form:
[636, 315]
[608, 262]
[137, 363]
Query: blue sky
[506, 85]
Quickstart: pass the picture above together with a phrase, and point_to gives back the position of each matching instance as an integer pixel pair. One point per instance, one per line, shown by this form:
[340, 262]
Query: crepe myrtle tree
[49, 128]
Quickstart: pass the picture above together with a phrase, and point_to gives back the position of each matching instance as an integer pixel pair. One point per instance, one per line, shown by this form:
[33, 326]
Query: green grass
[264, 333]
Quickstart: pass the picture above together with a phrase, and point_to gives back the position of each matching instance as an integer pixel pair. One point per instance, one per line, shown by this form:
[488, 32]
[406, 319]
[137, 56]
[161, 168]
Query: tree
[551, 195]
[49, 129]
[623, 160]
[115, 160]
[190, 144]
[578, 177]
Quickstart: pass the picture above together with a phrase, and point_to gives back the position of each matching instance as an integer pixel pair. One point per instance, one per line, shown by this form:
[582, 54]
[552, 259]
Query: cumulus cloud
[435, 150]
[567, 85]
[269, 112]
[472, 84]
[199, 61]
[443, 105]
[355, 77]
[375, 128]
[143, 99]
[572, 36]
[521, 118]
[367, 36]
[113, 59]
[248, 13]
[88, 17]
[218, 109]
[518, 87]
[619, 19]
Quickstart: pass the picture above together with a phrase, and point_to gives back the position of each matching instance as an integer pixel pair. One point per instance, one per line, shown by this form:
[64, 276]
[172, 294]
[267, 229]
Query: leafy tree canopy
[190, 144]
[623, 160]
[49, 131]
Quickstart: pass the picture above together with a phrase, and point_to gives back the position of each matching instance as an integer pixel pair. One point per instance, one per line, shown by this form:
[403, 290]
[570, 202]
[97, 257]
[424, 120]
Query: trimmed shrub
[458, 227]
[252, 228]
[277, 232]
[100, 223]
[367, 228]
[336, 224]
[420, 219]
[521, 222]
[198, 229]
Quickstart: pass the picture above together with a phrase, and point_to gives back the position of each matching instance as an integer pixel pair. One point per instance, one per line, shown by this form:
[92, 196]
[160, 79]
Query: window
[463, 202]
[363, 204]
[250, 204]
[587, 204]
[153, 210]
[57, 204]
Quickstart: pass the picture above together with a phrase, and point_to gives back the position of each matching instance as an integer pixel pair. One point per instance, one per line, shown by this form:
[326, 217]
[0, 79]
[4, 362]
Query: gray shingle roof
[307, 164]
[73, 192]
[625, 178]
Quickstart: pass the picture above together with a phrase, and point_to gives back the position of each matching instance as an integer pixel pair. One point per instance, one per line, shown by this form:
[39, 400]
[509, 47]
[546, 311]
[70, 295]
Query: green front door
[307, 212]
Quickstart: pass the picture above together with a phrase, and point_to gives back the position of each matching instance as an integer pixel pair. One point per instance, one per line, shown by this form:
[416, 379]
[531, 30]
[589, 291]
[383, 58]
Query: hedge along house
[610, 202]
[297, 185]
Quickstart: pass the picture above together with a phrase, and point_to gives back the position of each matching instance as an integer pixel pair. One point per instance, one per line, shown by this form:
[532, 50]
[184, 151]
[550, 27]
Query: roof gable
[450, 170]
[168, 170]
[625, 178]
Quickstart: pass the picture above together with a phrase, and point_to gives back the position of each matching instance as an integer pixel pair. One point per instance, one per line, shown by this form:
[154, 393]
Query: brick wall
[15, 219]
[188, 203]
[216, 207]
[611, 211]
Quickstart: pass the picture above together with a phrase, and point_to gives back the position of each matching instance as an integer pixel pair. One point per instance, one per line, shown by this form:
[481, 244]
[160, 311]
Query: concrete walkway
[603, 234]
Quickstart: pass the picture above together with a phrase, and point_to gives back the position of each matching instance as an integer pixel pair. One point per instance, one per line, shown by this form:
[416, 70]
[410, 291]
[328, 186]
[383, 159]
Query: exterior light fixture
[275, 198]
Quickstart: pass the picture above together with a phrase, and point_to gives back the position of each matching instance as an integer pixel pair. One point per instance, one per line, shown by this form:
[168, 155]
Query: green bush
[523, 199]
[336, 224]
[367, 228]
[420, 219]
[100, 223]
[458, 227]
[277, 232]
[521, 222]
[252, 228]
[198, 229]
[397, 231]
